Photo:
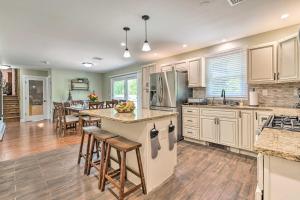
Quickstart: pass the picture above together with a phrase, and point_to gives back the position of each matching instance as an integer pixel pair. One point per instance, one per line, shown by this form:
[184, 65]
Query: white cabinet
[288, 59]
[227, 131]
[246, 136]
[262, 63]
[146, 71]
[196, 73]
[181, 66]
[166, 68]
[190, 121]
[208, 129]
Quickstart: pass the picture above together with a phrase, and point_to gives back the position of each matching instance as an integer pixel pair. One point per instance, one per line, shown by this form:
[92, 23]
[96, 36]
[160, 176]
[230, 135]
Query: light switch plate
[265, 92]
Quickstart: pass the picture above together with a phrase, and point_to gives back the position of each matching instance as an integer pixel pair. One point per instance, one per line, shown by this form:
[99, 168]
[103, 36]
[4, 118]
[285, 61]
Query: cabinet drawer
[191, 132]
[190, 111]
[219, 113]
[191, 121]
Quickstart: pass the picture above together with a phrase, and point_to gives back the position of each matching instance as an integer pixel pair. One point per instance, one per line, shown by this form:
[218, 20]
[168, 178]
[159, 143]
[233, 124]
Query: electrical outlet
[265, 92]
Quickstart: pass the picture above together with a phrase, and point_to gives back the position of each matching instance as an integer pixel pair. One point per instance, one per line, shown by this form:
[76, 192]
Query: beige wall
[239, 43]
[61, 83]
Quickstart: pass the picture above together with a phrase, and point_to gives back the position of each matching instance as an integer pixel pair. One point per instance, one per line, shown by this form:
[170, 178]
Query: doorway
[35, 98]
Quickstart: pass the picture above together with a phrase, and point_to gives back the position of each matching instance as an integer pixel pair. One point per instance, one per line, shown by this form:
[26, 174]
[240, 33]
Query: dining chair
[56, 106]
[76, 102]
[96, 105]
[66, 122]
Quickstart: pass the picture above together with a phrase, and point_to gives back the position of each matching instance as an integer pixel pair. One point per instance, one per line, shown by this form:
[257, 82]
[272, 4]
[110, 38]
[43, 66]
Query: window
[227, 71]
[125, 87]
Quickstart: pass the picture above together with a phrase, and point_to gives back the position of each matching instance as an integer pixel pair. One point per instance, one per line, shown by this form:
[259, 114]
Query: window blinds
[227, 71]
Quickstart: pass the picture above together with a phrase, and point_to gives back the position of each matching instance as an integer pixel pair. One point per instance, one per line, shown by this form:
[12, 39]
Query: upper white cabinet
[166, 68]
[262, 63]
[196, 73]
[181, 66]
[288, 59]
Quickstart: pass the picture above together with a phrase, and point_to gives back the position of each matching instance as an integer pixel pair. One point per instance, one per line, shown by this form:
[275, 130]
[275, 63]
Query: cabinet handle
[255, 115]
[278, 76]
[215, 120]
[189, 111]
[190, 120]
[190, 132]
[240, 114]
[274, 76]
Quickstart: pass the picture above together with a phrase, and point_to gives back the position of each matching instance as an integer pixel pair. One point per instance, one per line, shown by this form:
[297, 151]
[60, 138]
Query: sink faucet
[223, 95]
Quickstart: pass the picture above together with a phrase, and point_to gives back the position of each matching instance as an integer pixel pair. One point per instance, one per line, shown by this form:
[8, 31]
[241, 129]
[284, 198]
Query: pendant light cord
[146, 36]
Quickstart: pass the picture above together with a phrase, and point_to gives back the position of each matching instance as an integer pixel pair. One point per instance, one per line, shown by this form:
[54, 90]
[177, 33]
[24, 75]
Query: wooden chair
[112, 103]
[122, 145]
[55, 117]
[66, 121]
[76, 102]
[96, 105]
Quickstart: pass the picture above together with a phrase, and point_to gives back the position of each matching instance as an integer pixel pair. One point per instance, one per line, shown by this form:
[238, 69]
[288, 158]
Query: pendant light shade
[146, 46]
[126, 52]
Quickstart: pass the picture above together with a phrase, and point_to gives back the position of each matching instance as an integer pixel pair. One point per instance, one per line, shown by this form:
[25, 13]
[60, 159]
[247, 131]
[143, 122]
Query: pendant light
[146, 46]
[126, 52]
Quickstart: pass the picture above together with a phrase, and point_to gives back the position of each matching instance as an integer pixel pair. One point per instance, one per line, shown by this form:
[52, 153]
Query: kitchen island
[136, 126]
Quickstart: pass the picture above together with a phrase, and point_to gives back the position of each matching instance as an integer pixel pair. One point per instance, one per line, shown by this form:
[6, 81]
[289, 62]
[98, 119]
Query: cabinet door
[262, 63]
[227, 131]
[166, 68]
[195, 73]
[246, 136]
[146, 77]
[288, 63]
[181, 66]
[208, 129]
[191, 132]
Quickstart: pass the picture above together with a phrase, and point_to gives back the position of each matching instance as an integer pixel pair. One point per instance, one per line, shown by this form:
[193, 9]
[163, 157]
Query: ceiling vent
[234, 2]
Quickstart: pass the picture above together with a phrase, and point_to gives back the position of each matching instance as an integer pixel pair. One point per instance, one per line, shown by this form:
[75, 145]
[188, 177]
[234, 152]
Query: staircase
[11, 108]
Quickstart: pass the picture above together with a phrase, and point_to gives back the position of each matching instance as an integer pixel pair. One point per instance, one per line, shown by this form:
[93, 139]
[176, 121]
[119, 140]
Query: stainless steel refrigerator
[168, 91]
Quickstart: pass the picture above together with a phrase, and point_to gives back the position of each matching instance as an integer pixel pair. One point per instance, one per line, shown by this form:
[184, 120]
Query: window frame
[222, 53]
[125, 77]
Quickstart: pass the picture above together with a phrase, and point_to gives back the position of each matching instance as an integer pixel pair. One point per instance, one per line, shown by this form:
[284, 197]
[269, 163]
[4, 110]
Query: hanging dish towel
[172, 137]
[155, 145]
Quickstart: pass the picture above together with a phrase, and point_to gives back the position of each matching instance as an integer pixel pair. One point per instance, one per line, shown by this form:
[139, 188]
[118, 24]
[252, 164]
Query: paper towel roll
[253, 98]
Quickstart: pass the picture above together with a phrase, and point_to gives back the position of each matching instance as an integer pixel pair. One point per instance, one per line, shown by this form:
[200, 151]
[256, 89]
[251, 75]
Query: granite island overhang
[136, 126]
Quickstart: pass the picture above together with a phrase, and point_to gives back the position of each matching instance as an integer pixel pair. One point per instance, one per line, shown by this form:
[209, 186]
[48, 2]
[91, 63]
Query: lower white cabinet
[208, 129]
[191, 132]
[227, 131]
[246, 133]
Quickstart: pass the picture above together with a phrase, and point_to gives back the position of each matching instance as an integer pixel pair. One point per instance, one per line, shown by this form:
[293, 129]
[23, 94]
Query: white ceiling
[68, 32]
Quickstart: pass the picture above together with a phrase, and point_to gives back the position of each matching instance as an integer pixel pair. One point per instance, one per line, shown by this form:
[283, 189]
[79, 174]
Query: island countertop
[137, 116]
[280, 143]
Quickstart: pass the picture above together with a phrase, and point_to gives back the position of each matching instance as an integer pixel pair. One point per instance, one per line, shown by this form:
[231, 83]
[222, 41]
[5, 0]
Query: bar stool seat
[103, 135]
[122, 146]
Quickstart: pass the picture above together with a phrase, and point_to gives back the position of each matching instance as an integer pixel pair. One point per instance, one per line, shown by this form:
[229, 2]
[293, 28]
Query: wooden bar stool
[87, 130]
[98, 137]
[123, 145]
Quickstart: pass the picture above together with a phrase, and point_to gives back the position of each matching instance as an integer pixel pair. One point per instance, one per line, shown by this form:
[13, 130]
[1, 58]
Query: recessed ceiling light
[97, 58]
[45, 62]
[284, 16]
[5, 66]
[87, 64]
[123, 44]
[184, 45]
[155, 54]
[224, 40]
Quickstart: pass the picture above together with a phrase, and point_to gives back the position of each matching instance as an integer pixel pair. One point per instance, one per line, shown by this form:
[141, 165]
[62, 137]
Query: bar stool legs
[139, 160]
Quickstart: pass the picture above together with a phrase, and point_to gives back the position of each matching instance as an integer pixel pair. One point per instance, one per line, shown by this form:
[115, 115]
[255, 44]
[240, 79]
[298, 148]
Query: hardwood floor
[22, 139]
[202, 172]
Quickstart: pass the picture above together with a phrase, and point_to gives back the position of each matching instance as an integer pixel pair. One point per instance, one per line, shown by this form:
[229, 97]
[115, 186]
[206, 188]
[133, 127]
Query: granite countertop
[138, 115]
[280, 143]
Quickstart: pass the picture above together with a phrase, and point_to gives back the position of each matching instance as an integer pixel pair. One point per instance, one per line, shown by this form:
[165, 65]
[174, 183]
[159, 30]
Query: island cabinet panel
[157, 170]
[208, 129]
[281, 179]
[262, 63]
[246, 136]
[227, 131]
[288, 59]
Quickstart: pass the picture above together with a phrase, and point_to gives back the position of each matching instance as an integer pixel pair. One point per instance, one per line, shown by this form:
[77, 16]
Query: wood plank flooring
[202, 172]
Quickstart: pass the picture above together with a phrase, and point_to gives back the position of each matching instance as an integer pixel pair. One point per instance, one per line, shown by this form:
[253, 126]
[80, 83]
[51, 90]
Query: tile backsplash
[278, 95]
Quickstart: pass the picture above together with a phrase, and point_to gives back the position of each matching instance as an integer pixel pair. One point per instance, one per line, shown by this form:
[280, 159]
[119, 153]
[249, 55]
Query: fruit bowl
[125, 107]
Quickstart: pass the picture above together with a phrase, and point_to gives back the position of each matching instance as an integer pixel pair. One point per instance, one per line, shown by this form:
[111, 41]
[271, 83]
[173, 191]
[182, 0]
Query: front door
[35, 98]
